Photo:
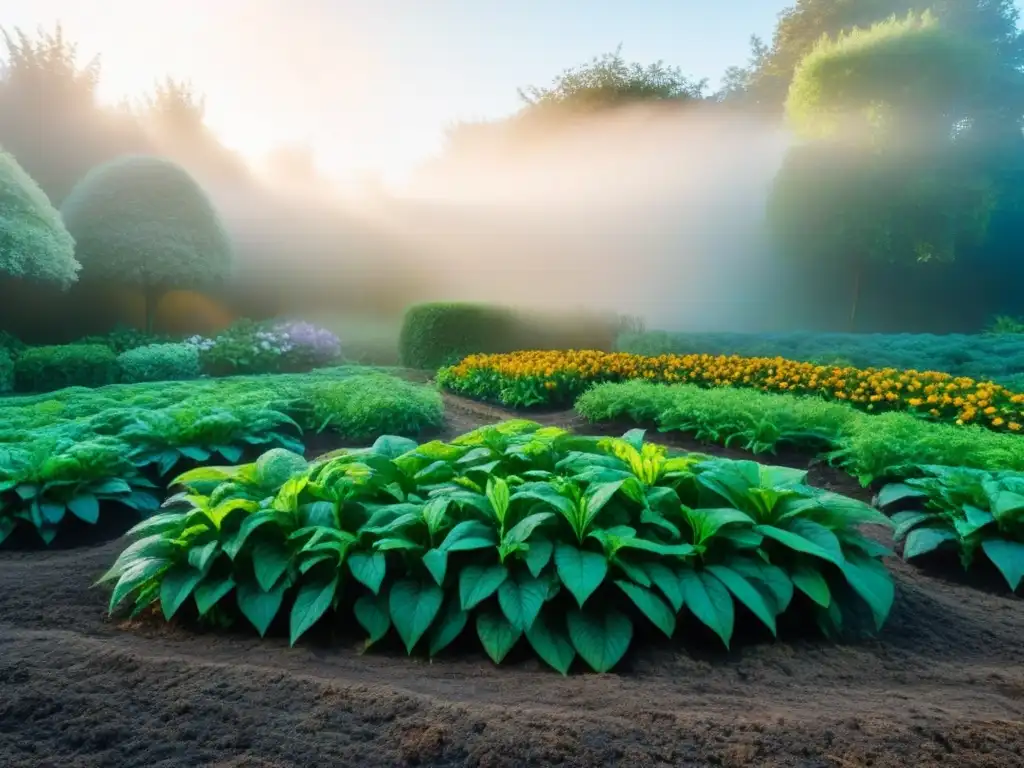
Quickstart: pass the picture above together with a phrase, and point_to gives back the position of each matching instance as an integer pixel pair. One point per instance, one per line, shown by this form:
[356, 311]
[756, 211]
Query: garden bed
[942, 683]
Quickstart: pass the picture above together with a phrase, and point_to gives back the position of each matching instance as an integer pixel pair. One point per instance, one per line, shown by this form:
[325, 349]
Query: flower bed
[556, 378]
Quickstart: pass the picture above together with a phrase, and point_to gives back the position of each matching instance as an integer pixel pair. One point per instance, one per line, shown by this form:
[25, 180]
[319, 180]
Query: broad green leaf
[521, 531]
[774, 579]
[974, 520]
[539, 554]
[395, 542]
[633, 571]
[392, 446]
[546, 493]
[907, 521]
[134, 576]
[233, 545]
[258, 605]
[435, 512]
[580, 571]
[472, 530]
[597, 497]
[175, 587]
[1007, 506]
[709, 601]
[552, 645]
[53, 512]
[496, 634]
[210, 591]
[165, 521]
[230, 452]
[521, 599]
[923, 540]
[85, 507]
[871, 580]
[499, 496]
[809, 580]
[601, 640]
[1008, 557]
[478, 582]
[199, 557]
[413, 607]
[114, 485]
[269, 560]
[707, 522]
[800, 543]
[371, 612]
[746, 593]
[667, 582]
[368, 568]
[448, 627]
[436, 561]
[311, 602]
[895, 492]
[650, 605]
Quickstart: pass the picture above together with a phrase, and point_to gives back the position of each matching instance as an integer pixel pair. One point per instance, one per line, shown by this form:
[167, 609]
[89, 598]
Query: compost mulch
[943, 684]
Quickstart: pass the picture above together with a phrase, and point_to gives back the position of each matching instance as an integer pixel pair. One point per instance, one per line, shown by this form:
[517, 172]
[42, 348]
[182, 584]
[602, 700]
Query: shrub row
[434, 335]
[129, 356]
[890, 446]
[63, 455]
[520, 534]
[981, 356]
[558, 377]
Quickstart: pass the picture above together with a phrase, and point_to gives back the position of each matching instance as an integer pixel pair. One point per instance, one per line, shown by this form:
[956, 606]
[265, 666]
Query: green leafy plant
[159, 362]
[520, 532]
[960, 509]
[42, 485]
[43, 369]
[124, 338]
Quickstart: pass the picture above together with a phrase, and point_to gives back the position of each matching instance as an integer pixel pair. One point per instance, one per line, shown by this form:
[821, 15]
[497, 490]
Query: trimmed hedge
[435, 335]
[159, 362]
[44, 369]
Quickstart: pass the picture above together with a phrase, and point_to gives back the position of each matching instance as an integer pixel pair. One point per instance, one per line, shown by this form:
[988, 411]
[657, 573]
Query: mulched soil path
[942, 685]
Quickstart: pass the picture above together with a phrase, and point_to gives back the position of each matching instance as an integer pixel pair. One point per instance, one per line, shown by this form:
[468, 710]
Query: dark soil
[942, 685]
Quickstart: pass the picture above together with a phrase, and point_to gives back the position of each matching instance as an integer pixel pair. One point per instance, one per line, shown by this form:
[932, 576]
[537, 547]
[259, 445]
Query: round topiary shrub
[159, 362]
[34, 242]
[145, 222]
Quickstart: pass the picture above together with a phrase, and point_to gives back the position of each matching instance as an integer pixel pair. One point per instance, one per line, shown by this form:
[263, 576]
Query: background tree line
[897, 208]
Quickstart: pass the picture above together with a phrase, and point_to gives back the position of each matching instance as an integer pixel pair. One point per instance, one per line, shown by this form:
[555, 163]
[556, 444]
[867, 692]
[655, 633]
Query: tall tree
[885, 173]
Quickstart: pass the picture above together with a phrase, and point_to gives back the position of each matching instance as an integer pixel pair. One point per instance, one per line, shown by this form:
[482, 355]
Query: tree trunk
[151, 298]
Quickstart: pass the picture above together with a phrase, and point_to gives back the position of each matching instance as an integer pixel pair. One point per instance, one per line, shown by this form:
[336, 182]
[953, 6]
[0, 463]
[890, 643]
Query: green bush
[145, 222]
[365, 406]
[6, 371]
[435, 335]
[517, 533]
[159, 362]
[885, 447]
[44, 369]
[122, 338]
[34, 243]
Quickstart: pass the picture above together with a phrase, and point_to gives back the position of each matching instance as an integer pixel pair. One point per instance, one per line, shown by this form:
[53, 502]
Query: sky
[370, 85]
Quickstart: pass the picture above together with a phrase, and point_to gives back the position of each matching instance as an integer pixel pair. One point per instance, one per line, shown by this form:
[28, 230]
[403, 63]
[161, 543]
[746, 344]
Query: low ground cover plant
[514, 532]
[559, 377]
[69, 452]
[968, 511]
[978, 356]
[887, 447]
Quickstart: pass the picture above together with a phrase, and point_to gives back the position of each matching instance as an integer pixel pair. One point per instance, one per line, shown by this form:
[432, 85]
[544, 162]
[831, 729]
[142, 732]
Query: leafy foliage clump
[516, 531]
[872, 448]
[964, 510]
[159, 362]
[251, 347]
[60, 451]
[44, 369]
[34, 242]
[434, 335]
